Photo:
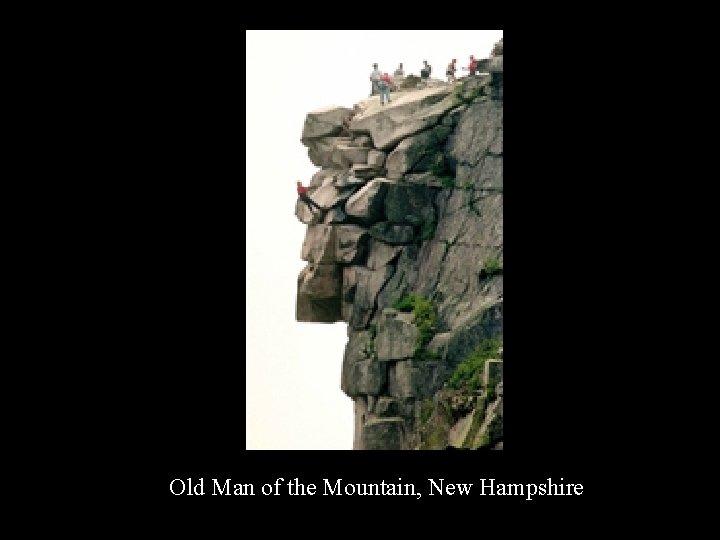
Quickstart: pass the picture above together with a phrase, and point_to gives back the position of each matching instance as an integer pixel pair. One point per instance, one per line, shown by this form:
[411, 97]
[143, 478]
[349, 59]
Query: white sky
[293, 396]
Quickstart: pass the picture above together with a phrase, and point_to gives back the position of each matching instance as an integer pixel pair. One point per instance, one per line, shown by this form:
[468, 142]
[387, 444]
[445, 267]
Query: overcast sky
[293, 396]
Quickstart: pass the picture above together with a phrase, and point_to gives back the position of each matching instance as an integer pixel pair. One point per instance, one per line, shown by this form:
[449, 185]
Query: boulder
[367, 204]
[324, 122]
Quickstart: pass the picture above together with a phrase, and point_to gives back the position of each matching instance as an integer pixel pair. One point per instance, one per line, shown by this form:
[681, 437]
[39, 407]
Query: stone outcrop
[409, 254]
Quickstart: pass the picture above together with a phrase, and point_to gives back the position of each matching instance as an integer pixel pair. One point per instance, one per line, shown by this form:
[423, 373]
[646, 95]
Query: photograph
[374, 240]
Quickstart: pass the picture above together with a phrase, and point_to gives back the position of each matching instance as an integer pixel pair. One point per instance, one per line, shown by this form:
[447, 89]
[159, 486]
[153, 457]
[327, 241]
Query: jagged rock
[350, 181]
[349, 286]
[473, 86]
[433, 228]
[376, 158]
[413, 378]
[322, 310]
[483, 324]
[416, 153]
[326, 177]
[389, 233]
[365, 171]
[324, 122]
[320, 281]
[361, 413]
[367, 203]
[360, 373]
[459, 432]
[335, 215]
[451, 118]
[307, 216]
[409, 204]
[490, 429]
[320, 151]
[351, 244]
[438, 344]
[358, 347]
[381, 254]
[404, 277]
[345, 155]
[397, 337]
[362, 140]
[363, 377]
[410, 113]
[493, 372]
[477, 131]
[426, 179]
[329, 195]
[386, 406]
[482, 65]
[319, 244]
[369, 284]
[382, 434]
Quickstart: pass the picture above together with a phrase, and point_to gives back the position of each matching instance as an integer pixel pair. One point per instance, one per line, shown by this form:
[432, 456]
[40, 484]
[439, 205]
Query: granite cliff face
[409, 254]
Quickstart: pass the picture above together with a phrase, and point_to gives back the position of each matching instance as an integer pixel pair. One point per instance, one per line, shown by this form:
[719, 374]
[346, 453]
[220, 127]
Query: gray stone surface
[381, 254]
[415, 151]
[410, 113]
[397, 338]
[389, 233]
[376, 158]
[446, 158]
[382, 434]
[345, 155]
[409, 204]
[351, 244]
[324, 122]
[319, 244]
[320, 280]
[413, 378]
[369, 284]
[493, 372]
[367, 203]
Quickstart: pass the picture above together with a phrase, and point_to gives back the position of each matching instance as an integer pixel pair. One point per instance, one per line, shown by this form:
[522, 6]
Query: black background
[183, 116]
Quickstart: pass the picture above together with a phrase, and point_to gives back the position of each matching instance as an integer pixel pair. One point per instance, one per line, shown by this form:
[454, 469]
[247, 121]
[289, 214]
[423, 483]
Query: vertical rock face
[409, 254]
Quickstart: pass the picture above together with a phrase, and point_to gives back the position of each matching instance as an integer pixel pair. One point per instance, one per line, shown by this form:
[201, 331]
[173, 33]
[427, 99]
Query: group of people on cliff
[382, 83]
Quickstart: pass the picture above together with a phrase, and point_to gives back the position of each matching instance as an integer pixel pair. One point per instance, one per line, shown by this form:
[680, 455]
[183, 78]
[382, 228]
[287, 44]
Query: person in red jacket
[302, 192]
[472, 67]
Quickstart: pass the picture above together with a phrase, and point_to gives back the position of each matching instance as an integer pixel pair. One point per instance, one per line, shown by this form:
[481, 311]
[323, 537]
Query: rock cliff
[409, 253]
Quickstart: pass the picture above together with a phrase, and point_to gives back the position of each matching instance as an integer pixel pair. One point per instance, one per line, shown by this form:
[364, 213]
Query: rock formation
[409, 254]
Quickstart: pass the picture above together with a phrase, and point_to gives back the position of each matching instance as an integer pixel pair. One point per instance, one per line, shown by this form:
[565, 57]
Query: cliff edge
[409, 253]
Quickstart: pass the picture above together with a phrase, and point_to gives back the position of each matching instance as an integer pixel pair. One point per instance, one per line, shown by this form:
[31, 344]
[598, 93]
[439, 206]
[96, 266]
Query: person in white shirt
[375, 79]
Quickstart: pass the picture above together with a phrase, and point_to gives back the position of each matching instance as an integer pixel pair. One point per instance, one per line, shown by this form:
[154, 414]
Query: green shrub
[492, 266]
[426, 411]
[424, 317]
[447, 181]
[468, 374]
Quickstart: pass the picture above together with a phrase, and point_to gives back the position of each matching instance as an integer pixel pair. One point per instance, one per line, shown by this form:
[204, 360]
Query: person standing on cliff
[304, 197]
[385, 84]
[425, 71]
[472, 67]
[375, 80]
[450, 71]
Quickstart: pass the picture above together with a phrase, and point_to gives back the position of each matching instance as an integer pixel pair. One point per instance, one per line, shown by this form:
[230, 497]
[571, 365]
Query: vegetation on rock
[468, 374]
[424, 317]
